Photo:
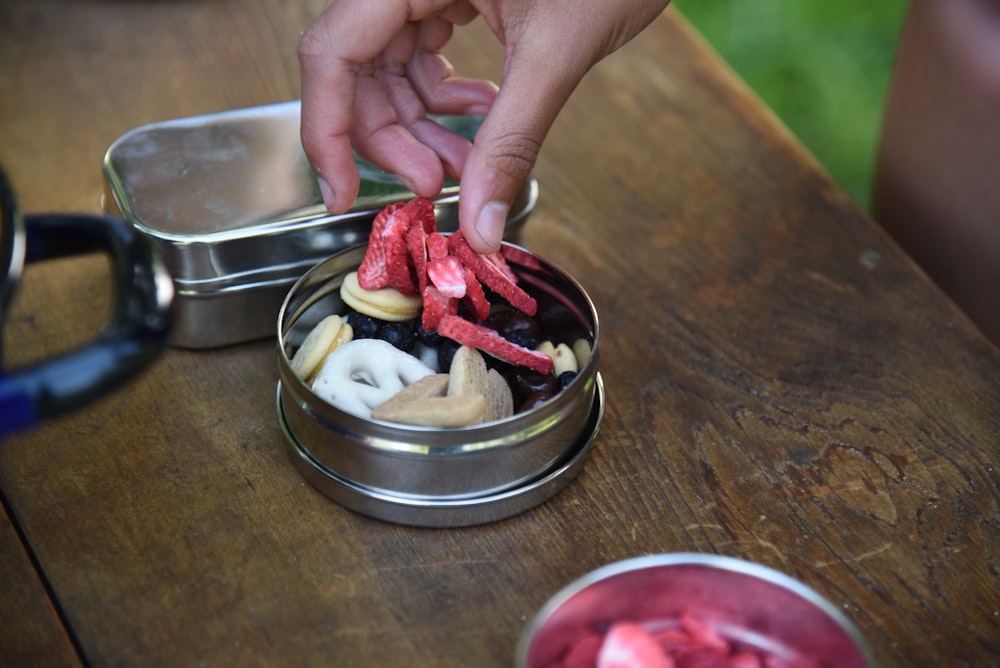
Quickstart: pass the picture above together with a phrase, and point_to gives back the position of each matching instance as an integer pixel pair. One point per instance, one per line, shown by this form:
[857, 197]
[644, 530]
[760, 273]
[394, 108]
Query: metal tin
[233, 205]
[741, 601]
[430, 476]
[442, 513]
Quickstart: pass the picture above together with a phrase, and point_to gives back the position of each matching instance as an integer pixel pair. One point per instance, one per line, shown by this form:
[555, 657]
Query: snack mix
[434, 333]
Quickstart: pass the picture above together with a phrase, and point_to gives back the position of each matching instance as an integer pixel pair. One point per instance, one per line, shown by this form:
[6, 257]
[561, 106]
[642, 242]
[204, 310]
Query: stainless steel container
[430, 476]
[756, 608]
[233, 206]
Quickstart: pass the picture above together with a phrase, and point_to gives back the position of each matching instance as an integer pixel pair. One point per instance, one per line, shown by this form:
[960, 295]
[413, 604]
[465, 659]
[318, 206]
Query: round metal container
[744, 602]
[453, 476]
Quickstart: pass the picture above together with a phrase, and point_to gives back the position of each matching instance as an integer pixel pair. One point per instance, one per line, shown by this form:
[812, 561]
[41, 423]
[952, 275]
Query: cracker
[467, 372]
[384, 303]
[499, 398]
[323, 338]
[425, 403]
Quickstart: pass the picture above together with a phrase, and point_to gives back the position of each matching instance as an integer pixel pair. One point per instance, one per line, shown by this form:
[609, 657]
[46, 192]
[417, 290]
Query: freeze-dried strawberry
[416, 246]
[701, 657]
[475, 297]
[489, 273]
[744, 660]
[673, 639]
[583, 652]
[447, 275]
[489, 341]
[421, 210]
[436, 307]
[373, 273]
[702, 635]
[500, 264]
[628, 645]
[521, 257]
[437, 245]
[397, 259]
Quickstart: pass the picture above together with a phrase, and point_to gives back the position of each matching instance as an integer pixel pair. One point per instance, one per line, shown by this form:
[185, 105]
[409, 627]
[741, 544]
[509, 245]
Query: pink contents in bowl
[690, 611]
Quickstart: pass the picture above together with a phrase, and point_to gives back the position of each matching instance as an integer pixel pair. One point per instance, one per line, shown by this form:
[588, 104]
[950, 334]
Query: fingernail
[329, 197]
[491, 223]
[407, 183]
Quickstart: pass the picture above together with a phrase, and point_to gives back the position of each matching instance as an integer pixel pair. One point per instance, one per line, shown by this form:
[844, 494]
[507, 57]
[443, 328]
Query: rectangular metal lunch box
[233, 205]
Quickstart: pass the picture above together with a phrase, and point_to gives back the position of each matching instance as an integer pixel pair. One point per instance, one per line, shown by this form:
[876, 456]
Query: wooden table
[783, 385]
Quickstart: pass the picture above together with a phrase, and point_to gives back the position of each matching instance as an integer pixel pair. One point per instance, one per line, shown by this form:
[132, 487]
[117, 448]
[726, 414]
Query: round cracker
[384, 304]
[316, 346]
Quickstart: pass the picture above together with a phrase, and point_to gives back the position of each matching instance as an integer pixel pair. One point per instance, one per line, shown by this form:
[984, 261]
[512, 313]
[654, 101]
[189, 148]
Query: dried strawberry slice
[491, 275]
[436, 307]
[703, 635]
[373, 273]
[628, 645]
[489, 341]
[421, 211]
[397, 257]
[437, 245]
[475, 297]
[416, 246]
[521, 257]
[583, 652]
[498, 261]
[447, 275]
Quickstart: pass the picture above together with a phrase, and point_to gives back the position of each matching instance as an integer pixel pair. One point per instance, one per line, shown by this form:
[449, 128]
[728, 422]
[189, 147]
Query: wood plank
[33, 634]
[784, 385]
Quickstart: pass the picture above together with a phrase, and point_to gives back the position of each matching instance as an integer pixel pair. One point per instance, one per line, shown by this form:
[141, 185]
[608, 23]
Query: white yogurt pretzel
[361, 374]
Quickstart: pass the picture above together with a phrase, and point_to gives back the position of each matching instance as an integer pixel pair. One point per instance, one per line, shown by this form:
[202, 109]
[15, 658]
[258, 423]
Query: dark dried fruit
[565, 378]
[524, 382]
[364, 326]
[535, 399]
[446, 352]
[515, 326]
[399, 334]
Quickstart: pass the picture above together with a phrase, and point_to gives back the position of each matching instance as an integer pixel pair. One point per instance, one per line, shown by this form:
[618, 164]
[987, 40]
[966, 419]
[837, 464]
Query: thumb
[504, 152]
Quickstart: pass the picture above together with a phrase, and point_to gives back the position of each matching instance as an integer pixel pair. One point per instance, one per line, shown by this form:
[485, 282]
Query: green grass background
[822, 66]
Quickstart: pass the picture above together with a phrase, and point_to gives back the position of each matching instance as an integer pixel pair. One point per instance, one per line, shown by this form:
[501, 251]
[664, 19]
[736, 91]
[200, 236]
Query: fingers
[434, 80]
[332, 54]
[371, 72]
[506, 148]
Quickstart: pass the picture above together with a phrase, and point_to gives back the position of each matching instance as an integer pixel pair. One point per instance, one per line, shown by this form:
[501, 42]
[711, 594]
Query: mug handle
[133, 336]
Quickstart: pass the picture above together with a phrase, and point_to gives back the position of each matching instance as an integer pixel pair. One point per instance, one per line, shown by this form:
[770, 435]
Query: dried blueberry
[509, 322]
[429, 338]
[364, 326]
[446, 352]
[524, 338]
[399, 334]
[565, 378]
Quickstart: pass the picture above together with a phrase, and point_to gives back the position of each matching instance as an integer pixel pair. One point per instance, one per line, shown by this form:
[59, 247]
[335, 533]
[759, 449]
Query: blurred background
[823, 67]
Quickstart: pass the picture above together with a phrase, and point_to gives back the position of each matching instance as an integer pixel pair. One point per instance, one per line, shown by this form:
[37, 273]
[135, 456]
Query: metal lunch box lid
[233, 205]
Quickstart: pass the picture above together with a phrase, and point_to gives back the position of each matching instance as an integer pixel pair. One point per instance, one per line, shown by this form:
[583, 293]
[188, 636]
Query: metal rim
[449, 512]
[698, 559]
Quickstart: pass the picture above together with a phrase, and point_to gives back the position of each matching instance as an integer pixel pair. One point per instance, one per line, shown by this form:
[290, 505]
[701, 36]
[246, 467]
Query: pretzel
[362, 374]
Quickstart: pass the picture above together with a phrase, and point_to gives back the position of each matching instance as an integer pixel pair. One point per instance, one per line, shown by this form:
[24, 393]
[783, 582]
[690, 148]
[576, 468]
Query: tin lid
[232, 193]
[234, 207]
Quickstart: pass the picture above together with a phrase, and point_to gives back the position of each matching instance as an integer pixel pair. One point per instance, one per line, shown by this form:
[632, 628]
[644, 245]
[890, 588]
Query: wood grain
[784, 385]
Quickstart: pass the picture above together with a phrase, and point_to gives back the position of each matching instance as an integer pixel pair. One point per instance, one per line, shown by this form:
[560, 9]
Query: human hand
[373, 71]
